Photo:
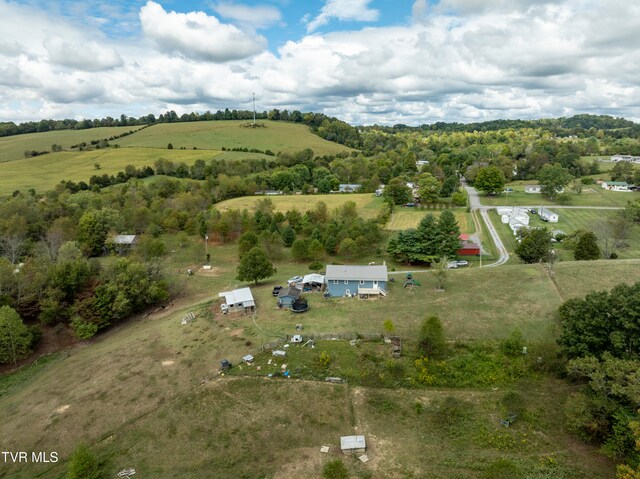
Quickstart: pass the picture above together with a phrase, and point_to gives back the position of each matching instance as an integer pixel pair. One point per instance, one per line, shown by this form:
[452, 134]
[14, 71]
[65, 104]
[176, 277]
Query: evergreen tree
[448, 237]
[288, 236]
[431, 342]
[587, 247]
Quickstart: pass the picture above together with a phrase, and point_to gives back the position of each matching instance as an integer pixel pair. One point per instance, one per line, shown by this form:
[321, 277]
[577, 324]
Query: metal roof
[291, 291]
[313, 278]
[238, 296]
[124, 239]
[349, 272]
[352, 442]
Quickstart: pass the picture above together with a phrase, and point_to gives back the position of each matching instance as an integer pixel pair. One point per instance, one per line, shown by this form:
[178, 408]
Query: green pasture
[43, 172]
[13, 147]
[275, 136]
[366, 203]
[144, 394]
[591, 195]
[405, 218]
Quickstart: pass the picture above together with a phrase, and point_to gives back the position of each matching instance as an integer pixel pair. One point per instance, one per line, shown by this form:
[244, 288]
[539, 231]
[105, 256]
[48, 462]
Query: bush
[83, 464]
[432, 342]
[512, 346]
[323, 359]
[335, 470]
[83, 329]
[502, 469]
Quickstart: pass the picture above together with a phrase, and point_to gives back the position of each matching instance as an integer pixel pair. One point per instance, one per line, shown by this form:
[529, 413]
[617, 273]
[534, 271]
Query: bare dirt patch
[214, 271]
[168, 363]
[236, 332]
[62, 409]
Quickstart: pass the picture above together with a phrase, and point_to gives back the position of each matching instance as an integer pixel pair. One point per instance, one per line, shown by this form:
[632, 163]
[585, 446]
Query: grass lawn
[13, 147]
[366, 203]
[405, 218]
[79, 166]
[276, 136]
[142, 395]
[592, 195]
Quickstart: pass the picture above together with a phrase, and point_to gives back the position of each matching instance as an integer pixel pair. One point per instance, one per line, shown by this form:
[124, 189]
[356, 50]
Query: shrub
[324, 359]
[502, 469]
[512, 346]
[83, 329]
[83, 464]
[335, 470]
[432, 342]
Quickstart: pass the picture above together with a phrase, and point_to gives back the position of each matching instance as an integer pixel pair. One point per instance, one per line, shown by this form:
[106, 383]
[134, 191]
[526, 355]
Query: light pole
[206, 246]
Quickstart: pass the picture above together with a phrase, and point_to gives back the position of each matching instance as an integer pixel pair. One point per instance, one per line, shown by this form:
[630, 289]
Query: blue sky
[365, 61]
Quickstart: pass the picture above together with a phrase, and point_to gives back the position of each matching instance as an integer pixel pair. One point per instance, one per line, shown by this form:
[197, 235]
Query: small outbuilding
[469, 249]
[548, 215]
[123, 243]
[237, 300]
[287, 296]
[353, 445]
[312, 281]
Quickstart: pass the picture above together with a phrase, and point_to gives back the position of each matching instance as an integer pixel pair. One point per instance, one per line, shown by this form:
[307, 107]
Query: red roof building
[469, 249]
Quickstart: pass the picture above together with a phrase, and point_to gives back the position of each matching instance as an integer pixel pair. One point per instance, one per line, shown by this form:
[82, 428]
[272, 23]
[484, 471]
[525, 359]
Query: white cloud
[355, 10]
[259, 16]
[419, 10]
[197, 35]
[89, 56]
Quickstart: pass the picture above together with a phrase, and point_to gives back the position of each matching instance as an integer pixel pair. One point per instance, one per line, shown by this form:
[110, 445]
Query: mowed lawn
[405, 218]
[13, 147]
[44, 172]
[592, 195]
[368, 206]
[275, 136]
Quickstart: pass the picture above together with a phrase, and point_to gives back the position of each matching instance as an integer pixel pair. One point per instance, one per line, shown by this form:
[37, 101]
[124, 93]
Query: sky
[364, 61]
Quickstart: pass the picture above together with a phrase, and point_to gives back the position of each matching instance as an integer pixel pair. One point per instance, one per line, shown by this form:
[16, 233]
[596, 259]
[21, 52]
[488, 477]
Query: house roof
[313, 278]
[124, 239]
[469, 246]
[617, 183]
[352, 442]
[291, 291]
[464, 237]
[356, 272]
[238, 296]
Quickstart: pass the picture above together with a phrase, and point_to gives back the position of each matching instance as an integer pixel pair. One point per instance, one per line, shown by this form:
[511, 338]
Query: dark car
[409, 205]
[276, 290]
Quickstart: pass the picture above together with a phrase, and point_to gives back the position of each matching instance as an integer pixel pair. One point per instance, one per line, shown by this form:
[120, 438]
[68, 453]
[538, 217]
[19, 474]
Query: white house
[349, 187]
[617, 158]
[538, 189]
[615, 185]
[548, 215]
[237, 300]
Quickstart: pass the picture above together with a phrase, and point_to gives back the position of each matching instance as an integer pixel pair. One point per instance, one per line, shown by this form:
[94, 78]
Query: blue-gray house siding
[340, 287]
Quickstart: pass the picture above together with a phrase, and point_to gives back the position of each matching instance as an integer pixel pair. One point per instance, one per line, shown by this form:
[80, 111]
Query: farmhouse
[348, 188]
[287, 296]
[347, 280]
[615, 185]
[124, 243]
[538, 189]
[548, 215]
[238, 300]
[353, 445]
[617, 158]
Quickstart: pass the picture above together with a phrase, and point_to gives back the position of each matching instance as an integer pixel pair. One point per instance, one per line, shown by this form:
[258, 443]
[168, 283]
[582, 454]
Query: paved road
[474, 202]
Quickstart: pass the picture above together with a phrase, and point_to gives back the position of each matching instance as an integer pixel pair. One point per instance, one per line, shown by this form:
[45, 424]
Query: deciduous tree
[254, 266]
[15, 337]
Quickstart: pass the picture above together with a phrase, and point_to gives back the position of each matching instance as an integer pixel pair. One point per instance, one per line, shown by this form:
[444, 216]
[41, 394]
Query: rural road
[474, 202]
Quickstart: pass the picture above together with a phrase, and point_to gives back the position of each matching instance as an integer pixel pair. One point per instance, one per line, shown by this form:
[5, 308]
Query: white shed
[353, 444]
[549, 216]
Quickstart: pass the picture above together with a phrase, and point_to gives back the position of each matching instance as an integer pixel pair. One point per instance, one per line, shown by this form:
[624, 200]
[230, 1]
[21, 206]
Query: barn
[469, 249]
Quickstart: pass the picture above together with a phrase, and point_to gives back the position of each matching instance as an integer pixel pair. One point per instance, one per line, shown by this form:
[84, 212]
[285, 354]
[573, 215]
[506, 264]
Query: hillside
[276, 136]
[13, 147]
[77, 166]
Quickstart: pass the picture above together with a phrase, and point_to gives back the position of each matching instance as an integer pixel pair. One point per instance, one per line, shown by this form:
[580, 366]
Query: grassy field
[404, 218]
[592, 195]
[79, 166]
[13, 147]
[276, 136]
[366, 203]
[143, 395]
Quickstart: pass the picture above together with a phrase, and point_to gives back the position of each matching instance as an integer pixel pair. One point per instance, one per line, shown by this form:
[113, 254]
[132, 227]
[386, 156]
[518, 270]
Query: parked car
[462, 263]
[452, 265]
[508, 190]
[533, 211]
[409, 205]
[295, 279]
[276, 290]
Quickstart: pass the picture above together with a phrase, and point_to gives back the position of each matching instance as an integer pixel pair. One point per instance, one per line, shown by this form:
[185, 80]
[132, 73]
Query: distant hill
[275, 136]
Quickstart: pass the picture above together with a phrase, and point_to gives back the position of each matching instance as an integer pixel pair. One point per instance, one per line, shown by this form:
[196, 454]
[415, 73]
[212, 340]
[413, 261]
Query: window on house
[346, 281]
[335, 281]
[362, 281]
